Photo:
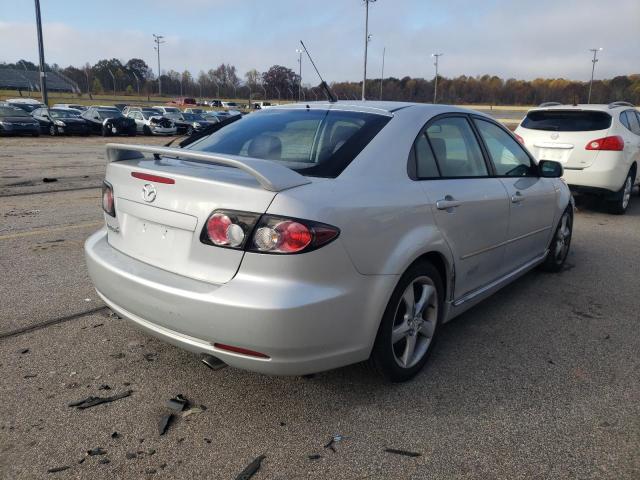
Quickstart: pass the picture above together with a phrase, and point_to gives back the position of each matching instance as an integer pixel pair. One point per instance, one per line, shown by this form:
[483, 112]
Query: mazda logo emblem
[149, 193]
[554, 136]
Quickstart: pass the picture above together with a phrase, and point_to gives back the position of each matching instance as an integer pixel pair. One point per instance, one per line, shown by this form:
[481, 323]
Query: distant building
[14, 79]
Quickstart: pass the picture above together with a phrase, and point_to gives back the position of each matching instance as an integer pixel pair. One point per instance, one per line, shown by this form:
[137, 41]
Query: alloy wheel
[414, 322]
[626, 194]
[563, 237]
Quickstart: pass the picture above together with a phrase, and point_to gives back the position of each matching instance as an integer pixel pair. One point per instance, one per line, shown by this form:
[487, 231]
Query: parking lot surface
[540, 381]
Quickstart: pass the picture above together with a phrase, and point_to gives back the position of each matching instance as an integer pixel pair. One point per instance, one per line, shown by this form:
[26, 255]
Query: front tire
[146, 130]
[620, 203]
[53, 131]
[409, 325]
[559, 248]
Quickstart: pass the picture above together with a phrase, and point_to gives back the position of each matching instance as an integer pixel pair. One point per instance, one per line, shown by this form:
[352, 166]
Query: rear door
[471, 209]
[562, 135]
[532, 199]
[631, 137]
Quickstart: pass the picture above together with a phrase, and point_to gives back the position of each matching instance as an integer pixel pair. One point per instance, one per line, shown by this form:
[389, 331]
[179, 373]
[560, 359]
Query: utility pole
[366, 44]
[435, 87]
[43, 74]
[299, 52]
[137, 82]
[384, 51]
[158, 41]
[593, 68]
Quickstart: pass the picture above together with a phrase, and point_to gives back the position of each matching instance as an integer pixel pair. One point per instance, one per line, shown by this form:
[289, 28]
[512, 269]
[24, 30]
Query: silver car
[302, 238]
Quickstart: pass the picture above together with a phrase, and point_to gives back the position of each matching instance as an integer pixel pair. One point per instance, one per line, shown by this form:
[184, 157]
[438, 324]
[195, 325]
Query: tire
[395, 360]
[190, 131]
[560, 243]
[620, 202]
[106, 130]
[53, 131]
[146, 130]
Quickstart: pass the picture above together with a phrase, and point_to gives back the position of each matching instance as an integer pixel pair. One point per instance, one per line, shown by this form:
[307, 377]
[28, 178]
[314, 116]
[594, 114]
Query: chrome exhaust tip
[212, 362]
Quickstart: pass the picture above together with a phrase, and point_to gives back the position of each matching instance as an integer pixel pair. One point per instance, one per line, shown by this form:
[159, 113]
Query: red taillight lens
[519, 138]
[614, 143]
[108, 204]
[153, 178]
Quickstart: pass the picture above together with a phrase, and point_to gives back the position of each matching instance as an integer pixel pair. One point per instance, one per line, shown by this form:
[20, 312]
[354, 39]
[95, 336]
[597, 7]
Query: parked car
[598, 146]
[165, 109]
[261, 105]
[61, 121]
[198, 111]
[183, 102]
[187, 123]
[230, 105]
[340, 233]
[74, 106]
[214, 103]
[15, 121]
[108, 121]
[26, 104]
[150, 123]
[152, 110]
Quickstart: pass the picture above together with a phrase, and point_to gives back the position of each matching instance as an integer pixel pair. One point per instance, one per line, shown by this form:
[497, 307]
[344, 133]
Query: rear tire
[190, 131]
[409, 326]
[621, 200]
[559, 248]
[146, 130]
[53, 131]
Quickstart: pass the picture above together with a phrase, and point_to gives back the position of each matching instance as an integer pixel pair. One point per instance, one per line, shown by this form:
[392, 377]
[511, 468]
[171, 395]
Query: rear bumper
[303, 326]
[163, 130]
[606, 174]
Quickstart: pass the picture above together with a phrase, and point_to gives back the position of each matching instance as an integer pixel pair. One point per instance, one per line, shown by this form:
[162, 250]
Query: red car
[183, 102]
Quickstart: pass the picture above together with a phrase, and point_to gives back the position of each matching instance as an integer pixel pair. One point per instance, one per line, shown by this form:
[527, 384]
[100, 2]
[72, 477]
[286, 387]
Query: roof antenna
[323, 84]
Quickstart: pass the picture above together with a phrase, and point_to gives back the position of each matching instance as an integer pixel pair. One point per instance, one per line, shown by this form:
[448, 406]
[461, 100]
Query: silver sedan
[306, 237]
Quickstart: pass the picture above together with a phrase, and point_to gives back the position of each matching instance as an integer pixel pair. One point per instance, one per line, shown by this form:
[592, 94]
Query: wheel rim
[563, 238]
[415, 322]
[52, 130]
[626, 195]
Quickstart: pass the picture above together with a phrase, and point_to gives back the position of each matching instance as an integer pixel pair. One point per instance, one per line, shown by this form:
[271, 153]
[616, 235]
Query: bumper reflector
[240, 350]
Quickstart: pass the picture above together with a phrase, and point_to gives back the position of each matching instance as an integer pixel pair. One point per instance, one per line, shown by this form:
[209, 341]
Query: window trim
[633, 113]
[487, 153]
[412, 161]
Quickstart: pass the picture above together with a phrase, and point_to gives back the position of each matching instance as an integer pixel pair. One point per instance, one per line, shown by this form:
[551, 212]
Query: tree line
[279, 82]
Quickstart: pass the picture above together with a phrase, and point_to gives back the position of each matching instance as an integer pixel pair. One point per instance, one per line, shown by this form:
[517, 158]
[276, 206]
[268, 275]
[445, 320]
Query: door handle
[517, 197]
[448, 202]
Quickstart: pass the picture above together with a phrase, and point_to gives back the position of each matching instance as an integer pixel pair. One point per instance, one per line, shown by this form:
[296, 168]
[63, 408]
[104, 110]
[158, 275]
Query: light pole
[435, 87]
[158, 41]
[217, 86]
[593, 68]
[137, 82]
[43, 74]
[113, 77]
[24, 65]
[384, 51]
[367, 37]
[86, 73]
[264, 90]
[299, 51]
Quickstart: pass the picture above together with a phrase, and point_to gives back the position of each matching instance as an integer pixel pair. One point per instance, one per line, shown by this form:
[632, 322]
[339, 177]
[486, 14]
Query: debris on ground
[104, 461]
[30, 375]
[98, 325]
[24, 350]
[193, 411]
[93, 401]
[149, 471]
[49, 179]
[58, 469]
[96, 451]
[150, 357]
[406, 453]
[177, 403]
[115, 435]
[117, 355]
[113, 314]
[315, 456]
[131, 455]
[104, 386]
[164, 423]
[251, 469]
[335, 439]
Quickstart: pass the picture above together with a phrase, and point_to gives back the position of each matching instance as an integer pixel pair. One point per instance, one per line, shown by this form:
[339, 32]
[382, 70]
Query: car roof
[385, 108]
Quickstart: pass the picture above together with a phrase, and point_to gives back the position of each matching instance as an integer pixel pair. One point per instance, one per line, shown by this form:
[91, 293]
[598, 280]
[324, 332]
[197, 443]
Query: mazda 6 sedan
[306, 237]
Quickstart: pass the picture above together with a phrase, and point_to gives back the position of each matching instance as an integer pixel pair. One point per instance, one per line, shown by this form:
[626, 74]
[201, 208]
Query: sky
[522, 39]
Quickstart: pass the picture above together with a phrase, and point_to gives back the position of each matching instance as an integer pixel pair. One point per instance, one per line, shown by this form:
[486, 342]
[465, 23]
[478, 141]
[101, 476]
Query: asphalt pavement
[540, 381]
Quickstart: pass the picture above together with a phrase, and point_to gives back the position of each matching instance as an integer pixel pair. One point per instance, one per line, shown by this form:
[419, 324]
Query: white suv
[598, 146]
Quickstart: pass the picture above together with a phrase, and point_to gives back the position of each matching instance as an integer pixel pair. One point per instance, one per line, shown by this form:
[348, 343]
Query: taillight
[614, 143]
[108, 204]
[265, 234]
[229, 228]
[519, 138]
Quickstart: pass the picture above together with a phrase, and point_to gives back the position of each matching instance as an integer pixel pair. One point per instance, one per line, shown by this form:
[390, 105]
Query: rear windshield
[63, 114]
[104, 114]
[12, 112]
[567, 120]
[318, 143]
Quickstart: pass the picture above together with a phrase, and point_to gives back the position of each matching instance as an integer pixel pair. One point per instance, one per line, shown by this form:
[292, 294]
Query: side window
[508, 157]
[456, 149]
[624, 120]
[426, 166]
[633, 122]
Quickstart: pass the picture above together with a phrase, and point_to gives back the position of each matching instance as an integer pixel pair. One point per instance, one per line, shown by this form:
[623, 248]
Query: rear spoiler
[271, 175]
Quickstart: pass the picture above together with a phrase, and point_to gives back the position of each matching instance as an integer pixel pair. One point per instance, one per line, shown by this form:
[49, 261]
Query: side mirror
[550, 169]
